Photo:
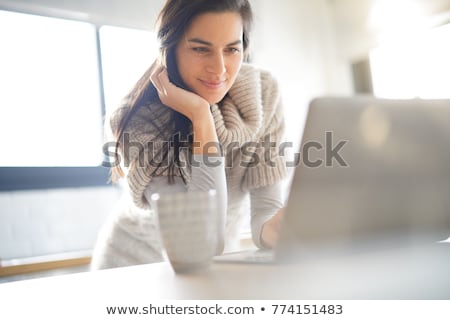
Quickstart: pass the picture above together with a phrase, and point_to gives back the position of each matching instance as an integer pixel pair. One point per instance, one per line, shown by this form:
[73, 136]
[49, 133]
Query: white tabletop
[386, 275]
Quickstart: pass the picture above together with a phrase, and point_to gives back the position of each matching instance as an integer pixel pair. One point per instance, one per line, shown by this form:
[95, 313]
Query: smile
[213, 84]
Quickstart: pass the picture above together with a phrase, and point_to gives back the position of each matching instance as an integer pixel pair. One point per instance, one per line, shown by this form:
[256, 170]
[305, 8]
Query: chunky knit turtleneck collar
[238, 117]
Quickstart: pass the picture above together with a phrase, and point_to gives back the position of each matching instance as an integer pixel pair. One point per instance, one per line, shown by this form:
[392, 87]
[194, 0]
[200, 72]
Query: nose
[216, 64]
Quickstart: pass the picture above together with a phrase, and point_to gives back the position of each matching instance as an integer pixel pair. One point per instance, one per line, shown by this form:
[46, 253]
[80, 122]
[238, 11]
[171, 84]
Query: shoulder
[152, 114]
[115, 117]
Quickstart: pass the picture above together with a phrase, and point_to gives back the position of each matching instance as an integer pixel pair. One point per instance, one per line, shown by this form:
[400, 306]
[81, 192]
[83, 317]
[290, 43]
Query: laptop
[372, 174]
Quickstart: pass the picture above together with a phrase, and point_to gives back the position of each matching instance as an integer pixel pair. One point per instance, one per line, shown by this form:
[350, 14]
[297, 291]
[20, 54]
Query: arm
[205, 140]
[265, 180]
[266, 214]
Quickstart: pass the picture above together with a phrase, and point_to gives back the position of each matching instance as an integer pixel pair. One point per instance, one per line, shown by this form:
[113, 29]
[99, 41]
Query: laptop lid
[370, 173]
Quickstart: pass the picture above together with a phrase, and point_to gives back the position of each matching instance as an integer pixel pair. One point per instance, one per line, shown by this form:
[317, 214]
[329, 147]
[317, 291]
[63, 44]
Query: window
[126, 54]
[51, 101]
[411, 68]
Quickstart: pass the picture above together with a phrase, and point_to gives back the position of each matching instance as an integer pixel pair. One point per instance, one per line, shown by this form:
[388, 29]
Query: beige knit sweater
[250, 114]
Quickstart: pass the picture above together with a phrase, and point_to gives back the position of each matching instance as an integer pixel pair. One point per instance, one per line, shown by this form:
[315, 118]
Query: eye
[200, 49]
[233, 50]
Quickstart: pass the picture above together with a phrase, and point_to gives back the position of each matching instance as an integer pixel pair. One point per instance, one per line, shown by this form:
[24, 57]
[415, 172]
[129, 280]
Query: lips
[213, 84]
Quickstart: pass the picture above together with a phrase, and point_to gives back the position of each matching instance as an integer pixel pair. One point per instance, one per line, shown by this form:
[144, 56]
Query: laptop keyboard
[250, 256]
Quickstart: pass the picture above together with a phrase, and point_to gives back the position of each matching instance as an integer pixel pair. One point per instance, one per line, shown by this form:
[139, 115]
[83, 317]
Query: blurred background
[65, 64]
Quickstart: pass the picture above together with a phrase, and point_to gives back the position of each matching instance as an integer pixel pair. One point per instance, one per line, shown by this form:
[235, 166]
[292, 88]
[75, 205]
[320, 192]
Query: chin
[214, 99]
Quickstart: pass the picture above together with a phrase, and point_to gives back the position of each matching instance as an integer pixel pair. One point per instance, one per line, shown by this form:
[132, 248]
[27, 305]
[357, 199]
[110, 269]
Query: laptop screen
[370, 172]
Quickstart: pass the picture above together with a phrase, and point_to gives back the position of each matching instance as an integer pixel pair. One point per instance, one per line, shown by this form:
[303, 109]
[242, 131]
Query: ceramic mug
[188, 224]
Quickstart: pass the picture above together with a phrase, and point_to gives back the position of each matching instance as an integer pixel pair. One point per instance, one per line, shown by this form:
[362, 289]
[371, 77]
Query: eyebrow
[206, 43]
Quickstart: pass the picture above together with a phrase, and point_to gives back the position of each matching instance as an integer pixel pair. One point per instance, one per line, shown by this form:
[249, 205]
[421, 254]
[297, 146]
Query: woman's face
[210, 54]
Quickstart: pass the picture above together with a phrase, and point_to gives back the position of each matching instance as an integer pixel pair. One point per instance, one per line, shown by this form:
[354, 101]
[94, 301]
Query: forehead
[216, 27]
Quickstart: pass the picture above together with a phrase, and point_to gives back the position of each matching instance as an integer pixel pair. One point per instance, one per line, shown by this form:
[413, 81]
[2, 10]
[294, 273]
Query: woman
[198, 104]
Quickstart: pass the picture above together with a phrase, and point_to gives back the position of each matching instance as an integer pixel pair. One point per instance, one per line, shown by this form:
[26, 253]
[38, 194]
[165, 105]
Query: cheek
[183, 63]
[235, 66]
[188, 68]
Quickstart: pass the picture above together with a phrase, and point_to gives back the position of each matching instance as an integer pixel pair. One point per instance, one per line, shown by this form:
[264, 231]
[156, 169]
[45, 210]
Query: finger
[154, 78]
[164, 81]
[155, 81]
[164, 77]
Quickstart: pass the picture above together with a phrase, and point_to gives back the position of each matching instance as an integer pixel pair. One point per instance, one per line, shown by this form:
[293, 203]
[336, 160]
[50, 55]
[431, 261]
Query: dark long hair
[173, 21]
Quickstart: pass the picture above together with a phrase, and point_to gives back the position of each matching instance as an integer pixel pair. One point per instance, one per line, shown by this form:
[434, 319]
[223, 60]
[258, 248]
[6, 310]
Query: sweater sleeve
[206, 175]
[265, 203]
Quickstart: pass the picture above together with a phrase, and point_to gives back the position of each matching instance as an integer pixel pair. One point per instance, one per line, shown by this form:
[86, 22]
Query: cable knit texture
[250, 114]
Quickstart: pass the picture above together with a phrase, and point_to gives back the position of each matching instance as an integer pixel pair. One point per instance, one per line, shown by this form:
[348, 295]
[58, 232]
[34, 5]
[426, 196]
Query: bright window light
[50, 112]
[418, 68]
[395, 19]
[126, 55]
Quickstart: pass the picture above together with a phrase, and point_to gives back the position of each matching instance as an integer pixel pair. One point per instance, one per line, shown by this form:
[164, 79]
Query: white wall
[296, 40]
[49, 222]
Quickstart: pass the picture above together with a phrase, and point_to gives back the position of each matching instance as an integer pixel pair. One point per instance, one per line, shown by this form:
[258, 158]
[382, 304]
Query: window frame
[38, 178]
